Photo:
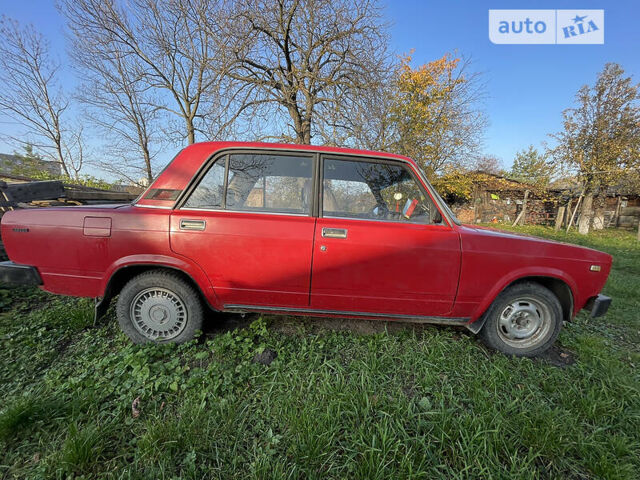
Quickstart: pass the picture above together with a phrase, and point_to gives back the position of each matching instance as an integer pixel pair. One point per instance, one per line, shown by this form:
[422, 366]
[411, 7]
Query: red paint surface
[278, 260]
[97, 227]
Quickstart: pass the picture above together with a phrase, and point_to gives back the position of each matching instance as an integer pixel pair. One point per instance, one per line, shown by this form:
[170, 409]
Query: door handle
[334, 232]
[192, 224]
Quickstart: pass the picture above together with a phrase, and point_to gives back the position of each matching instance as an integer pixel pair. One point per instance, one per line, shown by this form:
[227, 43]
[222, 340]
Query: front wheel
[159, 306]
[524, 320]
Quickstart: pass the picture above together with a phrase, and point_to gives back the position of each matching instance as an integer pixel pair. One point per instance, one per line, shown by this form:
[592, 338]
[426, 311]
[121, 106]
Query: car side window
[257, 182]
[269, 183]
[376, 191]
[210, 191]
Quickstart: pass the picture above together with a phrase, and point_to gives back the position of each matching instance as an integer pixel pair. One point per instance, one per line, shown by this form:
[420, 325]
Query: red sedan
[305, 230]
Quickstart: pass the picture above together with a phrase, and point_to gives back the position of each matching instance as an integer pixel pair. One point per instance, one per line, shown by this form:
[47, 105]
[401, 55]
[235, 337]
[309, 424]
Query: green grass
[414, 402]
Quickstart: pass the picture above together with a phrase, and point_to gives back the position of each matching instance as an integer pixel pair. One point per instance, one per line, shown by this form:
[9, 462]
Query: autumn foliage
[433, 111]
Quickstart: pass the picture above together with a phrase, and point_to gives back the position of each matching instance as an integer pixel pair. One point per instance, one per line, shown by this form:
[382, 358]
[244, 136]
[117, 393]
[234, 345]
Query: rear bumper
[598, 305]
[21, 274]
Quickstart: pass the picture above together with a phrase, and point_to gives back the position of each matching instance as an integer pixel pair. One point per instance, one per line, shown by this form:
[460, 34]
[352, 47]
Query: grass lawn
[396, 402]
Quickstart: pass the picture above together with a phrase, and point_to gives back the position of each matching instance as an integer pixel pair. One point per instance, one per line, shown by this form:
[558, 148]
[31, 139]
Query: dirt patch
[558, 356]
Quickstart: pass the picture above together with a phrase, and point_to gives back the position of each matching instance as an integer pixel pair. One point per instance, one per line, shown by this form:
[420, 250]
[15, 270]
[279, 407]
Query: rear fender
[189, 268]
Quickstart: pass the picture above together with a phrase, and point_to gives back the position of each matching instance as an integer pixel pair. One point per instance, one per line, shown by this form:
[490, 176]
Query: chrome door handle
[192, 224]
[334, 232]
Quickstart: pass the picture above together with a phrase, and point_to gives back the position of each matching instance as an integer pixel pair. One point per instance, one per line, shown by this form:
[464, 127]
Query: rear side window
[376, 191]
[256, 182]
[210, 191]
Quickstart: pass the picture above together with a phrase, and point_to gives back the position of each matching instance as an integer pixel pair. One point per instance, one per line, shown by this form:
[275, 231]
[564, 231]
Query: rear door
[381, 246]
[248, 224]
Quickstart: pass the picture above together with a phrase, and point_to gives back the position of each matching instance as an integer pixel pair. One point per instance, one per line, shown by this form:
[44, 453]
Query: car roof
[179, 172]
[214, 146]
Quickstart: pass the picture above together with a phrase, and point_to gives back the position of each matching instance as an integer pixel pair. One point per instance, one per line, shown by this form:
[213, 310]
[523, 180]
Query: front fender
[519, 274]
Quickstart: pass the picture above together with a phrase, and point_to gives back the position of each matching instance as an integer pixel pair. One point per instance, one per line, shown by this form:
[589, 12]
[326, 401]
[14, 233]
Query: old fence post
[559, 218]
[573, 215]
[523, 211]
[616, 215]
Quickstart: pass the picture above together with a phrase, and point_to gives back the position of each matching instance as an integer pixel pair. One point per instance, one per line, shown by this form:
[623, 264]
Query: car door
[248, 224]
[381, 246]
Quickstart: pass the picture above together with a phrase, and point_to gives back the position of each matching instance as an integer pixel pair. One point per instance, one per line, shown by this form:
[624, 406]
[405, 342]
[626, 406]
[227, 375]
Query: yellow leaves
[458, 185]
[422, 87]
[455, 185]
[422, 105]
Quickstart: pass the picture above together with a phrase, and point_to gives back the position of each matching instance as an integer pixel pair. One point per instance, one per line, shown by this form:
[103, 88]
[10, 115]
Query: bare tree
[174, 51]
[120, 104]
[432, 113]
[488, 164]
[32, 97]
[306, 58]
[366, 120]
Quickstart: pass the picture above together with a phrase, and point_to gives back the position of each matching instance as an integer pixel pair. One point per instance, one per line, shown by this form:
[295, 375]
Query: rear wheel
[524, 320]
[159, 306]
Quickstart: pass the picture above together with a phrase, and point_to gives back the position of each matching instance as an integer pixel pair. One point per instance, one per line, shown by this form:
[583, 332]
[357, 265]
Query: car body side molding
[311, 311]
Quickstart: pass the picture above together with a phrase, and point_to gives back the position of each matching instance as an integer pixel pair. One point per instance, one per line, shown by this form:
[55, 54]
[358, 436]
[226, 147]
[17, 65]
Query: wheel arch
[121, 275]
[560, 287]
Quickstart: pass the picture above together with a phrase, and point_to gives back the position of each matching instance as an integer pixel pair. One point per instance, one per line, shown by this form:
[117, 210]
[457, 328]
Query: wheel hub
[158, 314]
[523, 322]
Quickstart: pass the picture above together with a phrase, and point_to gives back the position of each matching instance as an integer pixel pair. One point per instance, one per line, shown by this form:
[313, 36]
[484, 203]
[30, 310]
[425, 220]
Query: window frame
[381, 161]
[225, 156]
[318, 155]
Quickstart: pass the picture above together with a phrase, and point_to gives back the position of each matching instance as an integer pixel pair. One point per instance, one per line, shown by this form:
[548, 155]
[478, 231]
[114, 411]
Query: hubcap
[524, 322]
[158, 314]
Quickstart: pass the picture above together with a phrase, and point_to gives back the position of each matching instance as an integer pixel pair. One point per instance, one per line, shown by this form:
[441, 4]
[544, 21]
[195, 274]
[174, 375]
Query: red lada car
[304, 230]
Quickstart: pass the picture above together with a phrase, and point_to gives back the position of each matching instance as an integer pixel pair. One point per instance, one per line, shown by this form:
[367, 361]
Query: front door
[248, 224]
[381, 246]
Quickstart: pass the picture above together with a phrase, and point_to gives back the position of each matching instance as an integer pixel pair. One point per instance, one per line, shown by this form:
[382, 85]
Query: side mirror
[437, 218]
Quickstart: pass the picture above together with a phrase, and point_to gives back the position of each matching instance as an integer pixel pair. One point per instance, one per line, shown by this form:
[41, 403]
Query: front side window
[256, 182]
[376, 191]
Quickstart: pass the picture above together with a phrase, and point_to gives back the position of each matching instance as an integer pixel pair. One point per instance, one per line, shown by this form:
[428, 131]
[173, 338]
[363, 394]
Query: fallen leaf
[564, 355]
[135, 407]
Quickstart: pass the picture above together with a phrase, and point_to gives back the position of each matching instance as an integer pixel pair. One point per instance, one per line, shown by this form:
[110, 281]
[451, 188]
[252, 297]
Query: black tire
[524, 320]
[159, 306]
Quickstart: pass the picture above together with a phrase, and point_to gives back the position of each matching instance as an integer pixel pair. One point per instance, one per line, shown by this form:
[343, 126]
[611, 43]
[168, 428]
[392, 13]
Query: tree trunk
[191, 131]
[65, 170]
[586, 214]
[559, 218]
